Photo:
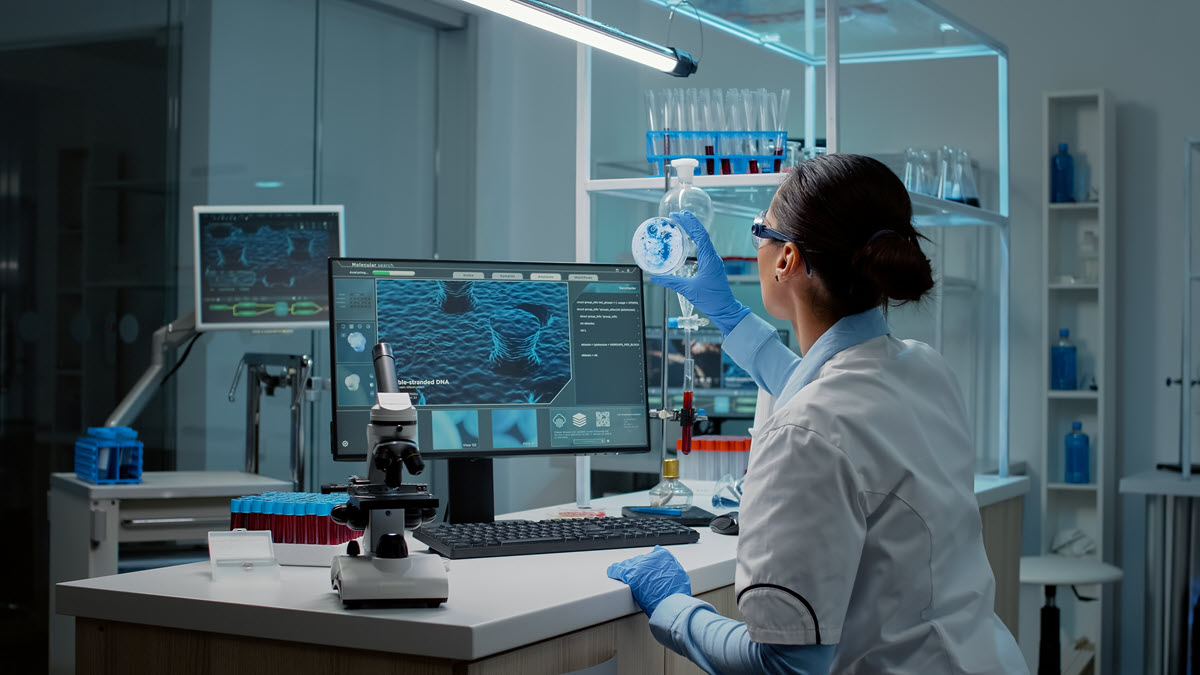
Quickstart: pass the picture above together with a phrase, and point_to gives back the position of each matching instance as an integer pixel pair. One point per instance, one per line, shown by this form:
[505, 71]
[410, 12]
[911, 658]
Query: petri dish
[659, 246]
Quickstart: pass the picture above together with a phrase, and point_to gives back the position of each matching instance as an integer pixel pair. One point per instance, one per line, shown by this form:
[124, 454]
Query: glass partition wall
[115, 119]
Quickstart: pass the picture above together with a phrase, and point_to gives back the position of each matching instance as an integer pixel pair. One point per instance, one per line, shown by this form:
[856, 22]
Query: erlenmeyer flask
[966, 174]
[912, 170]
[928, 175]
[949, 185]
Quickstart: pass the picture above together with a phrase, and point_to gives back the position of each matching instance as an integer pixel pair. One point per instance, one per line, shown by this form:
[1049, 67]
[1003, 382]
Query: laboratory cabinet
[887, 77]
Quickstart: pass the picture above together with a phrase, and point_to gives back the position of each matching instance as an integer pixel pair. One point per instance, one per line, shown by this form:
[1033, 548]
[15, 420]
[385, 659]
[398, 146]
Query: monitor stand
[472, 494]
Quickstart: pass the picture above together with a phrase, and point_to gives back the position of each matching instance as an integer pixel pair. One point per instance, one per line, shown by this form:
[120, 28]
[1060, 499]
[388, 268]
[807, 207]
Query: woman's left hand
[652, 577]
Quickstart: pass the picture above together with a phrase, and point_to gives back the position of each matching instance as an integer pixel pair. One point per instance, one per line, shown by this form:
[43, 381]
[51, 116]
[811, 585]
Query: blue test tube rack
[771, 157]
[109, 455]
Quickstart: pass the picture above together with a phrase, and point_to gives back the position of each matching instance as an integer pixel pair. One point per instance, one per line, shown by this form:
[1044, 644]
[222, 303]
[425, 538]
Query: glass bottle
[671, 493]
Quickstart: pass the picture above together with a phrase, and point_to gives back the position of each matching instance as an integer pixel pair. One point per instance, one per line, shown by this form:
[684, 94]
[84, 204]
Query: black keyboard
[524, 537]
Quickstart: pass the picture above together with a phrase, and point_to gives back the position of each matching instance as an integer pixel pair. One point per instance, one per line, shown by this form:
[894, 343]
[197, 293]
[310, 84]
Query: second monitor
[263, 267]
[502, 358]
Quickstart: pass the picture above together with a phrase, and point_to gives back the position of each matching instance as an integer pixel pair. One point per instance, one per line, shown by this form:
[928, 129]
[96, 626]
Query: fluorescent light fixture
[268, 184]
[592, 33]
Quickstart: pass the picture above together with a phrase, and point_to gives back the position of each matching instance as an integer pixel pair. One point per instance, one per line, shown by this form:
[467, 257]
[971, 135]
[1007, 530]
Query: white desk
[88, 523]
[526, 614]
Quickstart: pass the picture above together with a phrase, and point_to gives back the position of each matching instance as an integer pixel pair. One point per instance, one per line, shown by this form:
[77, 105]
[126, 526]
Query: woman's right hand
[709, 289]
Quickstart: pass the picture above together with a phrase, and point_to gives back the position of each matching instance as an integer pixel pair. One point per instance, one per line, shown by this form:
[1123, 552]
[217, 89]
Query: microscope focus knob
[391, 545]
[352, 548]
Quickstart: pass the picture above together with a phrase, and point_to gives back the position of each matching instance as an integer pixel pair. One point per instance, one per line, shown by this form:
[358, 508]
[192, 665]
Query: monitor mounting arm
[165, 340]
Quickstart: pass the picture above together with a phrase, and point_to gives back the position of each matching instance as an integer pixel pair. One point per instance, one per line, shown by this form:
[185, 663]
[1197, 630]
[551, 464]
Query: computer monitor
[720, 387]
[263, 267]
[502, 359]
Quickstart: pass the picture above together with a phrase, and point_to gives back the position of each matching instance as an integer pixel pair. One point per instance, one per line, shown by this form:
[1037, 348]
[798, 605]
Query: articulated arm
[165, 339]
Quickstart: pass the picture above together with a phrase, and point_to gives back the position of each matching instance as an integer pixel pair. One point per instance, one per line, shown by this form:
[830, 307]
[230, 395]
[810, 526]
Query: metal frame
[198, 274]
[987, 46]
[296, 376]
[831, 61]
[1190, 277]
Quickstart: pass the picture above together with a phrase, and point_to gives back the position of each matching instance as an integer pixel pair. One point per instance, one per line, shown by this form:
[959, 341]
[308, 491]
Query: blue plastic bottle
[1062, 363]
[1077, 455]
[1062, 176]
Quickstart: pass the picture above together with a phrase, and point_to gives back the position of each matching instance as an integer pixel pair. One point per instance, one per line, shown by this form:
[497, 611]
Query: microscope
[381, 572]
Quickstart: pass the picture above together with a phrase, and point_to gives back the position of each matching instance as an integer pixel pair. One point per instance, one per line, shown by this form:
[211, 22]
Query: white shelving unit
[1085, 304]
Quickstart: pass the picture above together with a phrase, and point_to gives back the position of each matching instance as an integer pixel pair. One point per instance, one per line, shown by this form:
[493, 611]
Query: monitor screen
[721, 387]
[501, 358]
[263, 267]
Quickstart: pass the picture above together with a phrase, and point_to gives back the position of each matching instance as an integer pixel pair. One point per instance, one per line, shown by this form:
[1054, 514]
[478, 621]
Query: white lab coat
[859, 525]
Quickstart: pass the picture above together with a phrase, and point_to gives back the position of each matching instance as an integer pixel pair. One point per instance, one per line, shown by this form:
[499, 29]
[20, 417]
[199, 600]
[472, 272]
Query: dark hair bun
[896, 265]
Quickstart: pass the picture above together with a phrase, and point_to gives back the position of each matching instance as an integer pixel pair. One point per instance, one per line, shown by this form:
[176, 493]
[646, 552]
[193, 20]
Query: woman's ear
[790, 262]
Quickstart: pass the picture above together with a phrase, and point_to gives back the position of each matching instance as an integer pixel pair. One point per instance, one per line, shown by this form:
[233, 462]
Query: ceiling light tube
[593, 33]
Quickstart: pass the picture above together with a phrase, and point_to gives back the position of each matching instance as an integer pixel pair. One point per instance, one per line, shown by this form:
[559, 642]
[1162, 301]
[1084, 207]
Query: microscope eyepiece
[385, 369]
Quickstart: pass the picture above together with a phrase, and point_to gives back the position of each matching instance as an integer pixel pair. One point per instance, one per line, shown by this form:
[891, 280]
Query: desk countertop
[495, 604]
[1166, 483]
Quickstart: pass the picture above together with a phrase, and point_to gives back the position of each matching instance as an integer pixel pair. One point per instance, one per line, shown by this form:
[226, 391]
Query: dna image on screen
[476, 342]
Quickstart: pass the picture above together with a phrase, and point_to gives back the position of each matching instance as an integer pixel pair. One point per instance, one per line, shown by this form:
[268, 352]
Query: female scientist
[860, 546]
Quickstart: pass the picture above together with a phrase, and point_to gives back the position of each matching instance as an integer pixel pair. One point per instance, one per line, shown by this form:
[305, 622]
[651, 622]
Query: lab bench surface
[531, 614]
[89, 523]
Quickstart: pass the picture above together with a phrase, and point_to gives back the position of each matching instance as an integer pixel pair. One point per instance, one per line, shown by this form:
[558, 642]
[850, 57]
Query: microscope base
[366, 581]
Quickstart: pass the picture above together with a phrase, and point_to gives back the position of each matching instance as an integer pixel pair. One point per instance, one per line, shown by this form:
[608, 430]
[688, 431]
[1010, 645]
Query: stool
[1053, 571]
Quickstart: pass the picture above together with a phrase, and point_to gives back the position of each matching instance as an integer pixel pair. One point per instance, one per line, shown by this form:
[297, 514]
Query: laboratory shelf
[872, 32]
[933, 212]
[1074, 287]
[741, 195]
[1073, 394]
[1071, 487]
[1074, 206]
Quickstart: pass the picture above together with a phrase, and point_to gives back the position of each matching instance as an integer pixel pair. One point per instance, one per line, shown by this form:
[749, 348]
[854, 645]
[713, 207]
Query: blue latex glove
[652, 577]
[709, 290]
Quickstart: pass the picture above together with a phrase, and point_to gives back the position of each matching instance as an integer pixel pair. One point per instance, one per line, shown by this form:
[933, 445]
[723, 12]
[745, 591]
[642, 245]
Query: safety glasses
[762, 233]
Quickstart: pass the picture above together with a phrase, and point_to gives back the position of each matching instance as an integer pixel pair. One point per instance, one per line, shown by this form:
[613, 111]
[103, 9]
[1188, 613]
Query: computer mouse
[725, 523]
